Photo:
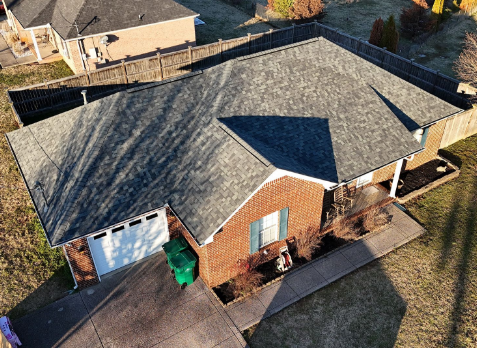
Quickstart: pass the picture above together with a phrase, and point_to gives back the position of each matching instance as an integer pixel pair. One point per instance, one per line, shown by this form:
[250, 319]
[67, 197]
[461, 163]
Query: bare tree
[466, 65]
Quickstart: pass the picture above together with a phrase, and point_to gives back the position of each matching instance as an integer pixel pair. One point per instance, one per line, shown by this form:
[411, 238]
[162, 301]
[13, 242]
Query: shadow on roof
[298, 144]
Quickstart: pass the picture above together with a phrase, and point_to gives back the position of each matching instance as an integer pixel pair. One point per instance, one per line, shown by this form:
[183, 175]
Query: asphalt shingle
[203, 143]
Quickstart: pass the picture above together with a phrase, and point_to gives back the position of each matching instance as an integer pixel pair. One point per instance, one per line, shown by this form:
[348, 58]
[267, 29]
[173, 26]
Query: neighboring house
[90, 33]
[237, 158]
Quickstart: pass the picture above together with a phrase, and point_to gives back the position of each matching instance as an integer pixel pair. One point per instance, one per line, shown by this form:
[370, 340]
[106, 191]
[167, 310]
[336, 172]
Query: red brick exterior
[82, 263]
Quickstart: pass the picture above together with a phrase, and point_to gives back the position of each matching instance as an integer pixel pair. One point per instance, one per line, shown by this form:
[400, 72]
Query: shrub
[18, 48]
[271, 4]
[304, 9]
[467, 5]
[248, 278]
[345, 229]
[390, 38]
[283, 7]
[11, 38]
[307, 242]
[437, 11]
[377, 32]
[376, 219]
[466, 65]
[415, 20]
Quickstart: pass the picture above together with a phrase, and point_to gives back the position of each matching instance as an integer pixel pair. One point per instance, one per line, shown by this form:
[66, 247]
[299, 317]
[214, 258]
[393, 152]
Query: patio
[361, 200]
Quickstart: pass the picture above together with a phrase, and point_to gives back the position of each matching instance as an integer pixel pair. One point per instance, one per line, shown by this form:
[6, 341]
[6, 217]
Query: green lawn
[31, 274]
[422, 295]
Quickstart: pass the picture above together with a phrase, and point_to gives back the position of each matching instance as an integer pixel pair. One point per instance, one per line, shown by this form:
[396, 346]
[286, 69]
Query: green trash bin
[174, 247]
[183, 266]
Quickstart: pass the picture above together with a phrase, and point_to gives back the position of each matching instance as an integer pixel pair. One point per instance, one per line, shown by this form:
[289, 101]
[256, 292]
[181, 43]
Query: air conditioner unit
[104, 40]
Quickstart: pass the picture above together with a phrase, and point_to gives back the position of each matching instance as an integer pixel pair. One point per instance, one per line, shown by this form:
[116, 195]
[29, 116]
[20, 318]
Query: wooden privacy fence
[64, 93]
[460, 126]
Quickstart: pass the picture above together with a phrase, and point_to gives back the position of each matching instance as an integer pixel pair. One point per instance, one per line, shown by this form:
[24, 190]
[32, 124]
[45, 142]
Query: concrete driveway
[142, 306]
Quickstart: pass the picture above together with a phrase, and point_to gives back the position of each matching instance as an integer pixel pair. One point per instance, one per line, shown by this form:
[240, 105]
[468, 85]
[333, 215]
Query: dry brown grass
[345, 229]
[376, 219]
[31, 274]
[307, 242]
[248, 279]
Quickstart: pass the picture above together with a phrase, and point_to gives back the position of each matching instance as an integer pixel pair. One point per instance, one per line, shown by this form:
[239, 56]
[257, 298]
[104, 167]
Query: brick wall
[304, 200]
[436, 131]
[82, 263]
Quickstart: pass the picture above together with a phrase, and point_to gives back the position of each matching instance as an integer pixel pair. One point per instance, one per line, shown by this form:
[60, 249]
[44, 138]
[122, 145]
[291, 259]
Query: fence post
[383, 51]
[358, 45]
[45, 81]
[124, 72]
[220, 50]
[270, 36]
[315, 27]
[410, 70]
[293, 33]
[249, 38]
[190, 57]
[160, 66]
[435, 80]
[87, 78]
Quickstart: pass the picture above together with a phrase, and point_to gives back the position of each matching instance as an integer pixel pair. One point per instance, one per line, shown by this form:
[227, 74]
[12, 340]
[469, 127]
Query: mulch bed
[421, 176]
[269, 271]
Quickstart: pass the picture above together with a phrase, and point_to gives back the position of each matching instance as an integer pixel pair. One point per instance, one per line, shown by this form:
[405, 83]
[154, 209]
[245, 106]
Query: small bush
[390, 38]
[18, 48]
[248, 278]
[377, 32]
[304, 9]
[345, 229]
[376, 219]
[271, 4]
[11, 38]
[307, 242]
[415, 20]
[5, 27]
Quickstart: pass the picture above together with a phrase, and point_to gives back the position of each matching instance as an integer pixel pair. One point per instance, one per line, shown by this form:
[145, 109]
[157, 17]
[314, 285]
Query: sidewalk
[323, 271]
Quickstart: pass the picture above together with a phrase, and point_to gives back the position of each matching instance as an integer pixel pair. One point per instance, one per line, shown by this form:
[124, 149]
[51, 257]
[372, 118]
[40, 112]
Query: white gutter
[71, 268]
[132, 28]
[446, 117]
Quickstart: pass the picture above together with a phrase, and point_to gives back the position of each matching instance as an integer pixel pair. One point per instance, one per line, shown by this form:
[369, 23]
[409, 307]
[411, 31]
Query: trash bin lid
[183, 260]
[175, 245]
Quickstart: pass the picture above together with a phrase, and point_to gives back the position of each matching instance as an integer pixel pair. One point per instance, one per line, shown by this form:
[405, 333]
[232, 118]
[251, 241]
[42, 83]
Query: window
[364, 179]
[117, 229]
[268, 229]
[150, 217]
[101, 235]
[134, 223]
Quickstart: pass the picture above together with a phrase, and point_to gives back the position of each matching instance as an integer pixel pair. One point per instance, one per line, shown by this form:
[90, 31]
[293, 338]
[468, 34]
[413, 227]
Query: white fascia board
[277, 174]
[132, 28]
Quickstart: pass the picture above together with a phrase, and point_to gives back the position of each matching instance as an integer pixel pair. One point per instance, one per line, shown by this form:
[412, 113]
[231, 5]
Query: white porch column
[396, 178]
[36, 45]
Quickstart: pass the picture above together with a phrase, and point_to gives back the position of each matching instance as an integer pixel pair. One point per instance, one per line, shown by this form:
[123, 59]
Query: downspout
[71, 268]
[81, 54]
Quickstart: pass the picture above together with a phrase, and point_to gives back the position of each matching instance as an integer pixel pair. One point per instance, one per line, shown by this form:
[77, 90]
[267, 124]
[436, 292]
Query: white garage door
[130, 242]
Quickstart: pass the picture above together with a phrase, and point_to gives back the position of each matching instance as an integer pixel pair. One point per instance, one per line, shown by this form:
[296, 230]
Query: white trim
[132, 28]
[277, 174]
[371, 174]
[112, 226]
[71, 268]
[396, 178]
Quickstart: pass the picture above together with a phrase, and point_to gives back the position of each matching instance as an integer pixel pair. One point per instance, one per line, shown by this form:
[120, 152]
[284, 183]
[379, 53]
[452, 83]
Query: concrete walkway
[321, 272]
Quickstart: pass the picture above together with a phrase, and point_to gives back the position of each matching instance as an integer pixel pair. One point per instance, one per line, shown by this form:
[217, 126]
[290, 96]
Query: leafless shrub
[307, 242]
[466, 65]
[345, 229]
[248, 278]
[11, 38]
[18, 48]
[376, 219]
[5, 27]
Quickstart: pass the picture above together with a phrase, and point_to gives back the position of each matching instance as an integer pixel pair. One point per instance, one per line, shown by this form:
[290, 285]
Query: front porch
[360, 201]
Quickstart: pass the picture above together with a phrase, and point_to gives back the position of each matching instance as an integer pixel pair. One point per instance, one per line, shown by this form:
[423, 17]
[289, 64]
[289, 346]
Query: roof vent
[104, 40]
[140, 16]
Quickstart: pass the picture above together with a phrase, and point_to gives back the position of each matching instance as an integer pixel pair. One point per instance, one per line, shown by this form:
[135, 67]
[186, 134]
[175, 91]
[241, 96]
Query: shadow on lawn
[361, 310]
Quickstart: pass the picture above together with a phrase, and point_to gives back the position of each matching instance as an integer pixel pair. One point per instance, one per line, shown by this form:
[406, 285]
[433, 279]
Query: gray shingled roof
[93, 16]
[203, 143]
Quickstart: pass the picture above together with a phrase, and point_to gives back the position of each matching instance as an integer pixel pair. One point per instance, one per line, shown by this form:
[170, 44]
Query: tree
[415, 20]
[390, 38]
[283, 7]
[437, 11]
[377, 32]
[304, 9]
[466, 65]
